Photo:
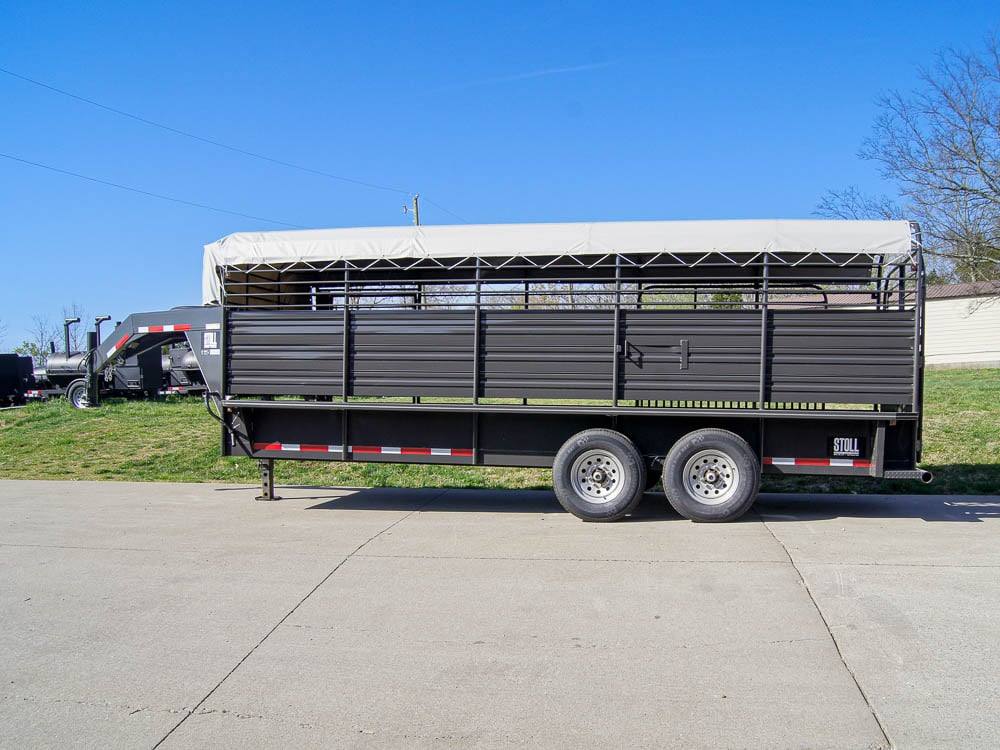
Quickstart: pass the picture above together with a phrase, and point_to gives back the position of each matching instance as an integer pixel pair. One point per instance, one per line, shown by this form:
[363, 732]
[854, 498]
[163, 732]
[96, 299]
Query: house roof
[967, 289]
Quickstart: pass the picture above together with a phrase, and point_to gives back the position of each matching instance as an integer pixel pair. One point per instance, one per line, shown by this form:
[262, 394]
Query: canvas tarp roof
[502, 240]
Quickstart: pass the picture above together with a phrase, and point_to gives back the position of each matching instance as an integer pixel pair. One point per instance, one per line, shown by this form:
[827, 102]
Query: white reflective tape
[783, 461]
[112, 350]
[213, 326]
[841, 462]
[214, 351]
[142, 329]
[391, 450]
[440, 451]
[333, 449]
[289, 446]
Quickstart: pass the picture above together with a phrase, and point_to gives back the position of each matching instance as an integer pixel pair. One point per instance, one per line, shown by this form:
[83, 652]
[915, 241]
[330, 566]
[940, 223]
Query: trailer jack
[266, 480]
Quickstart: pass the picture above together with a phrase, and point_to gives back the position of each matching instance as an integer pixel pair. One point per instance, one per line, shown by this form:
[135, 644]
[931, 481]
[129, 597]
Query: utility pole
[414, 209]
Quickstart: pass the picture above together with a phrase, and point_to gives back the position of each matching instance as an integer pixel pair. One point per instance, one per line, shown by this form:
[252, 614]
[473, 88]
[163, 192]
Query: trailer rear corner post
[266, 480]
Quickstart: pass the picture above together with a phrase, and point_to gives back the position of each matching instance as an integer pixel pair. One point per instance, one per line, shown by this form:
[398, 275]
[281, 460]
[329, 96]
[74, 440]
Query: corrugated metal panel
[841, 356]
[832, 356]
[547, 353]
[284, 352]
[411, 353]
[723, 361]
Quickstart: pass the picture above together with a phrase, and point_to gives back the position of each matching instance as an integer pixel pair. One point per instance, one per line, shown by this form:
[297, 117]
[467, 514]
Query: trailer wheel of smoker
[599, 475]
[711, 475]
[76, 394]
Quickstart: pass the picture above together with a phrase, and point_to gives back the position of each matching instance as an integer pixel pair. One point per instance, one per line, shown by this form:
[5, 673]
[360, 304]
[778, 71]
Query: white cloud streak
[541, 73]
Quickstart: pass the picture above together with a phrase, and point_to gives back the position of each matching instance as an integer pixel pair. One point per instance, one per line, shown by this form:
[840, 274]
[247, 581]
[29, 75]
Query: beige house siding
[963, 332]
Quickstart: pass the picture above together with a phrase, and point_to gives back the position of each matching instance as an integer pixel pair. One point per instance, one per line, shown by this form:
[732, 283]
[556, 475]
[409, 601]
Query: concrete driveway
[144, 615]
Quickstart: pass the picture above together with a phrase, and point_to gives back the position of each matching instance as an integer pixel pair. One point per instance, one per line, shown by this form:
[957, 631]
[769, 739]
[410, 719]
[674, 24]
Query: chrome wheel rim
[711, 477]
[79, 398]
[597, 476]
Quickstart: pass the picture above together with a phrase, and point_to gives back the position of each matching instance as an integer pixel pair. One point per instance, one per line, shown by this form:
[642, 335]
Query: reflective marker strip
[213, 326]
[119, 344]
[169, 328]
[857, 463]
[364, 449]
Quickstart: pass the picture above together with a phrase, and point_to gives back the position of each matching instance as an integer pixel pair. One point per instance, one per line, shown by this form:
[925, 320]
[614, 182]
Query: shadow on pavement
[777, 507]
[771, 506]
[467, 500]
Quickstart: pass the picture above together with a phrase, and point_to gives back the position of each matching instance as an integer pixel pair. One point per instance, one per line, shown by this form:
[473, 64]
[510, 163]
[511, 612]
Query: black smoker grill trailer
[613, 366]
[147, 373]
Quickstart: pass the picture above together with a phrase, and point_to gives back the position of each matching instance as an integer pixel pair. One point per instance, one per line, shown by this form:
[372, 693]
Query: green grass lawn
[177, 441]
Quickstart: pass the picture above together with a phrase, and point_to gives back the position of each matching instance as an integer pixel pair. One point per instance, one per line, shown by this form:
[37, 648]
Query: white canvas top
[592, 238]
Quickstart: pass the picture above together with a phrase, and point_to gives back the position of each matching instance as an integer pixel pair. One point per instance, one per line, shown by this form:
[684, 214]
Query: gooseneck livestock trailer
[616, 353]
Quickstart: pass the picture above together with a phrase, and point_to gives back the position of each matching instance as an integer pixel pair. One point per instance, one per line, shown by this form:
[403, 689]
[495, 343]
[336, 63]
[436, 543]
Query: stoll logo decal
[846, 446]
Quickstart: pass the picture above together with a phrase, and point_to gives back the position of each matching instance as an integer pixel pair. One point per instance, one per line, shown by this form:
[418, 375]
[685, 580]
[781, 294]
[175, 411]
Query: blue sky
[501, 112]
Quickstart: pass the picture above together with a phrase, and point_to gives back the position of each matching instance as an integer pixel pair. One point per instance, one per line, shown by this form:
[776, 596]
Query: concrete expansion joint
[829, 631]
[292, 611]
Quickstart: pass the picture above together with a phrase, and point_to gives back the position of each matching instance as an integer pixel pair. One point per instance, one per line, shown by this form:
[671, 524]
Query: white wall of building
[962, 331]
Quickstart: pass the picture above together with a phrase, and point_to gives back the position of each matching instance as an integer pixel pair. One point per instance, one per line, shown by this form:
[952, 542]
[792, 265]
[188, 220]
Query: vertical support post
[762, 391]
[920, 277]
[224, 435]
[345, 454]
[92, 380]
[878, 452]
[617, 330]
[266, 480]
[477, 319]
[477, 323]
[527, 290]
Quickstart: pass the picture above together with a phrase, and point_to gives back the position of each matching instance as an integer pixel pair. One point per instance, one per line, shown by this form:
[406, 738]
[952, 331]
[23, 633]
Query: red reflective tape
[366, 449]
[182, 327]
[862, 463]
[156, 329]
[812, 461]
[766, 460]
[122, 340]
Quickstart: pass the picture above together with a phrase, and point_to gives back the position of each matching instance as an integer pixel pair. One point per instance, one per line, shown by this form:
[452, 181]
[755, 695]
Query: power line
[148, 193]
[442, 208]
[220, 144]
[194, 136]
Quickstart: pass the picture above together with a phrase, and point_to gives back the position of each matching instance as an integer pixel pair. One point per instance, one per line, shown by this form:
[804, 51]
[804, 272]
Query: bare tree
[851, 203]
[40, 334]
[940, 145]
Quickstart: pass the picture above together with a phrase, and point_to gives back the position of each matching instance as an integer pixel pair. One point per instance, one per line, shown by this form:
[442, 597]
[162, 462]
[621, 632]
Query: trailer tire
[711, 475]
[76, 394]
[599, 475]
